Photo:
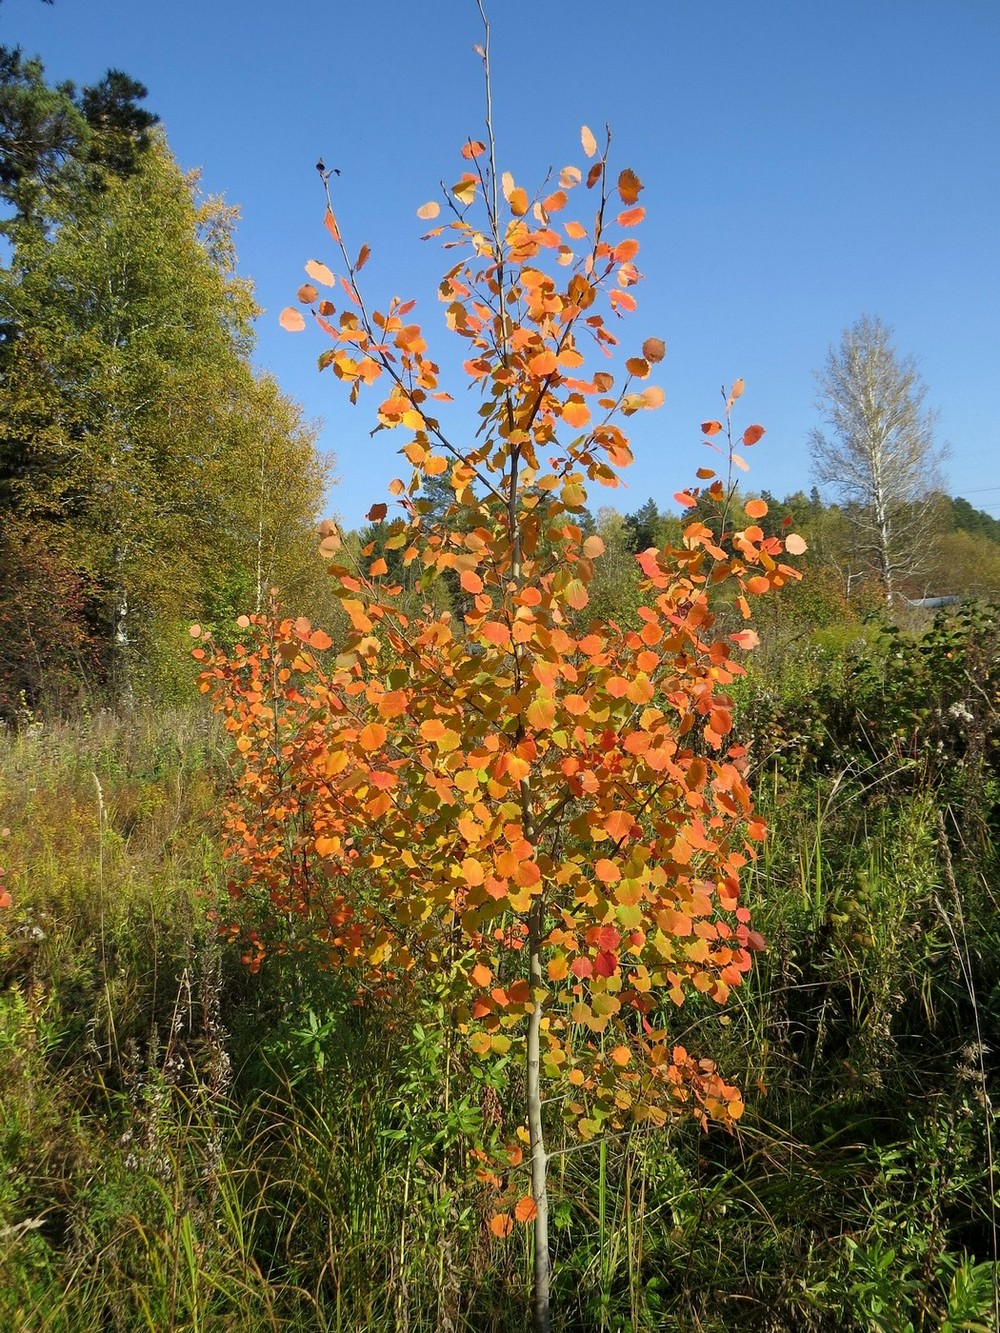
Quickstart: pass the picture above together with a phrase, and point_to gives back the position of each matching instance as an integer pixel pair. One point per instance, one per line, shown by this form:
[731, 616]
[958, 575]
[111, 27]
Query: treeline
[840, 583]
[148, 473]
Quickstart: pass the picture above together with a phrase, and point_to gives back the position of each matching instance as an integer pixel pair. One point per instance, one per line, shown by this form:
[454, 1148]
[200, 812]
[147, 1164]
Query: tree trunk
[539, 1159]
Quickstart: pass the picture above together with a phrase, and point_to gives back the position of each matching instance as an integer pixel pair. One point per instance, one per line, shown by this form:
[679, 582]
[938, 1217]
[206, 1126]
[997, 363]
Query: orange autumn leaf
[291, 320]
[518, 202]
[543, 364]
[501, 1225]
[575, 412]
[319, 272]
[631, 217]
[494, 784]
[526, 1210]
[373, 736]
[629, 186]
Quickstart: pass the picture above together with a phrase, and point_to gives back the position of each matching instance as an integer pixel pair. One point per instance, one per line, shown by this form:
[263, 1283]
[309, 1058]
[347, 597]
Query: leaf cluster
[543, 810]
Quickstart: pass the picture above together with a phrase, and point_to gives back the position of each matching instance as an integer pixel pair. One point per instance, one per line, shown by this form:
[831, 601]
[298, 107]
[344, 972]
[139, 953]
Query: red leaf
[606, 964]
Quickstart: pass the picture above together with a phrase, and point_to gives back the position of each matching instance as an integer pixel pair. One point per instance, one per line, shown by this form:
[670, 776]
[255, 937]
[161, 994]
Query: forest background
[165, 1164]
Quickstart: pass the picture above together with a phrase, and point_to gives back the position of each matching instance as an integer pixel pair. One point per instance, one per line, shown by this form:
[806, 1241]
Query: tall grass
[186, 1146]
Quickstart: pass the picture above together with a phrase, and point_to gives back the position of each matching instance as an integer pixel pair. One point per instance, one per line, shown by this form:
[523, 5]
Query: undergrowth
[187, 1146]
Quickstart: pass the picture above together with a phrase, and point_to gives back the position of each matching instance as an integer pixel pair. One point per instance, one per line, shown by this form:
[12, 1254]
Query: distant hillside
[964, 518]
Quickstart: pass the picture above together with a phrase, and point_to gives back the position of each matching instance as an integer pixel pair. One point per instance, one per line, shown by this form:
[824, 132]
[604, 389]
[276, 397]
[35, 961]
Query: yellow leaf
[576, 594]
[541, 712]
[558, 968]
[518, 202]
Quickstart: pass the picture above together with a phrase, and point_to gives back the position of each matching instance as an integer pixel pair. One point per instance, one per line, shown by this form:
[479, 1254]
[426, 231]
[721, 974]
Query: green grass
[185, 1146]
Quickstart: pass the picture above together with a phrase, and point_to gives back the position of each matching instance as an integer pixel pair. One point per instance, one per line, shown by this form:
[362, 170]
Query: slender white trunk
[536, 1137]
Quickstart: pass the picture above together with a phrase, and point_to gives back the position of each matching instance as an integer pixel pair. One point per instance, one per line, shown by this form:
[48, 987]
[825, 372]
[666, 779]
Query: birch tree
[879, 451]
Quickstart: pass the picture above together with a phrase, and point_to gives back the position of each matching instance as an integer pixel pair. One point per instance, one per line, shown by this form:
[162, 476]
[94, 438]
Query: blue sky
[804, 163]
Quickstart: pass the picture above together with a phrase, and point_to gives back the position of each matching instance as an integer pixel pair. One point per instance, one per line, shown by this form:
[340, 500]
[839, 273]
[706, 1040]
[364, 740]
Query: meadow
[191, 1145]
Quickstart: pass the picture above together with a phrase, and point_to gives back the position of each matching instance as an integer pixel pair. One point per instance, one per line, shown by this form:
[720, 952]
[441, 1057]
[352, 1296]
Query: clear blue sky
[805, 162]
